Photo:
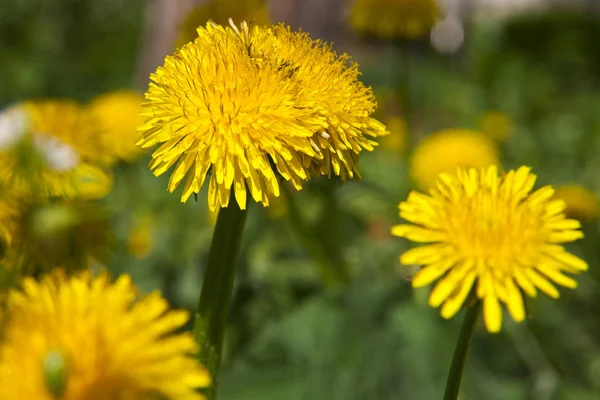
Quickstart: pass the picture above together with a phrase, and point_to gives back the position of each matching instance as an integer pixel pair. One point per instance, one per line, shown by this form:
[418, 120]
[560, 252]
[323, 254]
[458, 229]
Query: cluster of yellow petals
[493, 233]
[411, 19]
[444, 151]
[85, 338]
[249, 106]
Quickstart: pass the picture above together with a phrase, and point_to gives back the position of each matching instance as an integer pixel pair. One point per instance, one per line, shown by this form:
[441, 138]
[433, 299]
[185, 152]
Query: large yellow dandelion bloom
[489, 233]
[582, 203]
[85, 338]
[253, 105]
[496, 125]
[446, 150]
[220, 11]
[388, 19]
[116, 117]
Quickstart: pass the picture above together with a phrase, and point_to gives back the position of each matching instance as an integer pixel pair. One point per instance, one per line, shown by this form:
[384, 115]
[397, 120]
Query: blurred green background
[294, 334]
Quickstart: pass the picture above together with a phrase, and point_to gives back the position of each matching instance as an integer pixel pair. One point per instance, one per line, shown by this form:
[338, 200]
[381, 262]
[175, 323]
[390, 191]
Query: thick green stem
[461, 351]
[217, 289]
[333, 273]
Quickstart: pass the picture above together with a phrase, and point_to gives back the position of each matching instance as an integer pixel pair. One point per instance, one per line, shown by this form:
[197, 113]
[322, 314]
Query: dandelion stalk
[461, 351]
[217, 289]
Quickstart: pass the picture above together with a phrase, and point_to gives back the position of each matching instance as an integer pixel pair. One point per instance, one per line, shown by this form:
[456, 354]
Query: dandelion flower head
[220, 11]
[116, 116]
[85, 338]
[387, 19]
[251, 105]
[582, 204]
[445, 150]
[490, 233]
[55, 156]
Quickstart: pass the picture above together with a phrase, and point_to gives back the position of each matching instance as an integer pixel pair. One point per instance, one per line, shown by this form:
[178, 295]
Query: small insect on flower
[249, 106]
[84, 337]
[489, 233]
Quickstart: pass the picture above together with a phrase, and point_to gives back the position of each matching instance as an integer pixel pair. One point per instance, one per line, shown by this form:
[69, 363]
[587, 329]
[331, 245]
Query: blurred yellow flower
[396, 140]
[52, 158]
[139, 242]
[490, 233]
[247, 105]
[116, 117]
[388, 19]
[219, 11]
[446, 150]
[85, 338]
[582, 204]
[496, 125]
[34, 172]
[64, 125]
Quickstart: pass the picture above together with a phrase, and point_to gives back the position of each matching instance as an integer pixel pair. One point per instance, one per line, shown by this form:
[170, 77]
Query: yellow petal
[492, 313]
[456, 300]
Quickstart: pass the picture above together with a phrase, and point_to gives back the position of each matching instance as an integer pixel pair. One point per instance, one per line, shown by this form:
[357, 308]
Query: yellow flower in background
[490, 233]
[116, 117]
[582, 203]
[496, 125]
[446, 150]
[34, 172]
[52, 158]
[387, 19]
[85, 338]
[247, 105]
[139, 241]
[219, 11]
[396, 140]
[64, 125]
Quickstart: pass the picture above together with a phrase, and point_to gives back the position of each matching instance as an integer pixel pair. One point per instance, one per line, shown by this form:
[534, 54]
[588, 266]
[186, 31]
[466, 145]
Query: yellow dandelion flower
[388, 19]
[53, 156]
[490, 233]
[220, 11]
[49, 168]
[253, 105]
[396, 140]
[446, 150]
[116, 117]
[582, 204]
[65, 122]
[85, 338]
[496, 125]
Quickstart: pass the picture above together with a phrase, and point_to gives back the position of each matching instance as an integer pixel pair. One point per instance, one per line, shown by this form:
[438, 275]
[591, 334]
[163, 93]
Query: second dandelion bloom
[85, 338]
[492, 234]
[444, 151]
[248, 106]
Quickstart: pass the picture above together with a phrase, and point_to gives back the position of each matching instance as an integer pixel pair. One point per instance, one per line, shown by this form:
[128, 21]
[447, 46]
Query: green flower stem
[217, 289]
[332, 273]
[461, 351]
